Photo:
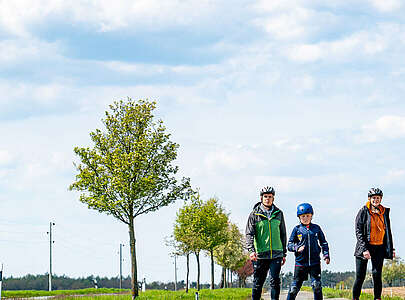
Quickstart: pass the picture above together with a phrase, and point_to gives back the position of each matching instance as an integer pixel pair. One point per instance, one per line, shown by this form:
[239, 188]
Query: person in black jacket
[374, 241]
[306, 241]
[266, 242]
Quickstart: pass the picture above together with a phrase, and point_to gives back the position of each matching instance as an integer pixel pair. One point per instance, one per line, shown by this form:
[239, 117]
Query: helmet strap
[266, 205]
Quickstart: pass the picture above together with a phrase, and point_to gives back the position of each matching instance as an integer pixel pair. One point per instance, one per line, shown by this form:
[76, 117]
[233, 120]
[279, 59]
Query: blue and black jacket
[314, 241]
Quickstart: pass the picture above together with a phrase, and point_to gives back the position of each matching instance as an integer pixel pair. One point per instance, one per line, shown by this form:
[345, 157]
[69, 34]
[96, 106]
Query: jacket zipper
[309, 248]
[271, 245]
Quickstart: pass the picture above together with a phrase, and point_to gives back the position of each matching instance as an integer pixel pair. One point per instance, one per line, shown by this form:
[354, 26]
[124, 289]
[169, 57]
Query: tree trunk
[197, 256]
[134, 273]
[212, 269]
[230, 271]
[188, 270]
[222, 283]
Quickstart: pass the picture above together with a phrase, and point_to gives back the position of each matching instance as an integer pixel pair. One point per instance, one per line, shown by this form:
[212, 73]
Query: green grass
[335, 293]
[32, 293]
[235, 294]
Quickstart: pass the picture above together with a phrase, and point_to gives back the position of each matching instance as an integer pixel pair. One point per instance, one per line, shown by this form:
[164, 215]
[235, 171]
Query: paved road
[301, 296]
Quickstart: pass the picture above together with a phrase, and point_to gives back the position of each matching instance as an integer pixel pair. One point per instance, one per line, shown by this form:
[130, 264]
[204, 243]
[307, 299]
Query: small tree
[231, 254]
[244, 272]
[130, 170]
[214, 222]
[393, 269]
[188, 232]
[180, 249]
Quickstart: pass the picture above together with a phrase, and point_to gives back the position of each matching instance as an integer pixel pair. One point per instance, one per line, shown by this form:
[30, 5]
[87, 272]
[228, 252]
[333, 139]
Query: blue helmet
[304, 208]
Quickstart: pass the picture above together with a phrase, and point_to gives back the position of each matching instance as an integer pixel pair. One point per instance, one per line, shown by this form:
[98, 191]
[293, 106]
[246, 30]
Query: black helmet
[375, 192]
[267, 190]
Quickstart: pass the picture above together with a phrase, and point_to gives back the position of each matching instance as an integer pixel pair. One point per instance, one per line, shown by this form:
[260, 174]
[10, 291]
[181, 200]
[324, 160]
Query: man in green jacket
[266, 241]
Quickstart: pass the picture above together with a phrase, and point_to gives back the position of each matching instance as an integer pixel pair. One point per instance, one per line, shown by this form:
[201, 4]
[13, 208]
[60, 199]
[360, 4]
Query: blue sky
[304, 96]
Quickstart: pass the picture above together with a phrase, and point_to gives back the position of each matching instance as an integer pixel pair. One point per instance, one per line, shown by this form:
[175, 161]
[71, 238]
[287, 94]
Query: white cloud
[386, 5]
[394, 176]
[105, 15]
[298, 184]
[16, 51]
[390, 126]
[234, 159]
[5, 157]
[356, 45]
[287, 25]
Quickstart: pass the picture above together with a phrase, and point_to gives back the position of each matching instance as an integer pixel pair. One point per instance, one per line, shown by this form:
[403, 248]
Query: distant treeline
[40, 282]
[336, 280]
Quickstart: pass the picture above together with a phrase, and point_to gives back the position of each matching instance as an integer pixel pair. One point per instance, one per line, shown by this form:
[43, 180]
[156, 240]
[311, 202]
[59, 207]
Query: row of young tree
[204, 226]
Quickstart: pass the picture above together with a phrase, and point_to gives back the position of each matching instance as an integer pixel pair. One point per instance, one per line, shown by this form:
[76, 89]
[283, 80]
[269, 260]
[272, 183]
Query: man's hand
[283, 261]
[366, 254]
[253, 256]
[300, 249]
[327, 260]
[393, 254]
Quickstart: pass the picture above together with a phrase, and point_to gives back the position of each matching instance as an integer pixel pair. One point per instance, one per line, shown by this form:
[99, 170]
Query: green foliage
[231, 254]
[129, 170]
[187, 227]
[201, 226]
[214, 224]
[393, 270]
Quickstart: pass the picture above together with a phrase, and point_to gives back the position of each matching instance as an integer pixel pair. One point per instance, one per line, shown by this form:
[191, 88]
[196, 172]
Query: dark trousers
[377, 260]
[260, 269]
[300, 275]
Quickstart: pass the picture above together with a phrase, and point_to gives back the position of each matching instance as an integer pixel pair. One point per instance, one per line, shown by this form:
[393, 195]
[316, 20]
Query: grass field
[28, 293]
[365, 295]
[397, 291]
[235, 294]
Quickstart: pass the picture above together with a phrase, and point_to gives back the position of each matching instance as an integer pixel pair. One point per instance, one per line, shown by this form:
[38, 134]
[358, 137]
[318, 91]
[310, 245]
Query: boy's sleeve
[250, 234]
[283, 235]
[324, 243]
[292, 245]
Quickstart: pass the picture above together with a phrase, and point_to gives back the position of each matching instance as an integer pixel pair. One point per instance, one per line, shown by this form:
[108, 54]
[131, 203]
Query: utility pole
[121, 245]
[50, 254]
[1, 279]
[175, 273]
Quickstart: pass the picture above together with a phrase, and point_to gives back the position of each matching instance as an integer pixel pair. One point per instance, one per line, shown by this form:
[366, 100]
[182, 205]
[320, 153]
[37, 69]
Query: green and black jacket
[266, 236]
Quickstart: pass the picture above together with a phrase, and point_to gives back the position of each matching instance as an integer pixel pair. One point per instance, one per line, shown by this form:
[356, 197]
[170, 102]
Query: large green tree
[129, 171]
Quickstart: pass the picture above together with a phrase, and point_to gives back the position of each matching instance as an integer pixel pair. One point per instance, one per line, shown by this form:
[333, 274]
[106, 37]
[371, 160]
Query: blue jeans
[260, 269]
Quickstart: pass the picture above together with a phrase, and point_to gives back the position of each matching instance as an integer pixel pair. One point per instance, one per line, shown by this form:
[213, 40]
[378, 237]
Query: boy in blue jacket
[306, 241]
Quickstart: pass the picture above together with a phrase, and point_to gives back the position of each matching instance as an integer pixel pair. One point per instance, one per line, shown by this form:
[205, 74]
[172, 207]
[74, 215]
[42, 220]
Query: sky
[304, 96]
